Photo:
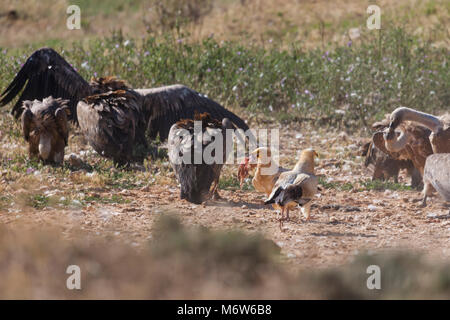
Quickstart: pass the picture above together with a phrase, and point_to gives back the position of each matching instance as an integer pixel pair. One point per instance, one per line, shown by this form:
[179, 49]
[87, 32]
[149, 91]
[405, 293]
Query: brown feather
[44, 125]
[113, 124]
[199, 181]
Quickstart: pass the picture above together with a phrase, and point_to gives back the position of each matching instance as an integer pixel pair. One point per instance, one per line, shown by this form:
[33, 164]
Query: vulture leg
[427, 191]
[214, 193]
[282, 218]
[306, 210]
[416, 178]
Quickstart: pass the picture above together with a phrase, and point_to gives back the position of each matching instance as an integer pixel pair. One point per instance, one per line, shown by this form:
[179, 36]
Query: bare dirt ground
[343, 222]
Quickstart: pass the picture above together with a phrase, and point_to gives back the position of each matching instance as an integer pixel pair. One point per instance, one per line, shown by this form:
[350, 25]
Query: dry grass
[313, 23]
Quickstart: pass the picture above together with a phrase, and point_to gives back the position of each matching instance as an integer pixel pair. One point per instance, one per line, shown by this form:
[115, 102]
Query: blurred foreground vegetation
[189, 263]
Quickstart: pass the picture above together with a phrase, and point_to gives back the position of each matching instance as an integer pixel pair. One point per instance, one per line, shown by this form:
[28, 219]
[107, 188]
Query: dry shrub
[179, 263]
[91, 179]
[196, 263]
[171, 14]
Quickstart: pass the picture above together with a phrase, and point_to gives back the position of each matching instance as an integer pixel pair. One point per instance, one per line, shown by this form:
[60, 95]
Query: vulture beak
[390, 134]
[394, 123]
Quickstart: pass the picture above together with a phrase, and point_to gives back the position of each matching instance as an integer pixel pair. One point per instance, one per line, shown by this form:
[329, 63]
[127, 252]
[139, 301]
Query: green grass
[347, 186]
[4, 202]
[384, 185]
[364, 185]
[39, 201]
[232, 183]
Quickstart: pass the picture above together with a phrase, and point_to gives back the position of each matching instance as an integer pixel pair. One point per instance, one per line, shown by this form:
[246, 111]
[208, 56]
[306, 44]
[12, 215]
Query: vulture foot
[216, 196]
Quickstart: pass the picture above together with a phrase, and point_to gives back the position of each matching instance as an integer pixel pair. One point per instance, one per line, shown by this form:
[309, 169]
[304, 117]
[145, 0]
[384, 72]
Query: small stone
[333, 219]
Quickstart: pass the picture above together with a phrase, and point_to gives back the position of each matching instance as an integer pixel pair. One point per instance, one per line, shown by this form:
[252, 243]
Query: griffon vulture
[46, 73]
[198, 176]
[384, 166]
[437, 175]
[410, 142]
[439, 126]
[45, 128]
[421, 135]
[114, 124]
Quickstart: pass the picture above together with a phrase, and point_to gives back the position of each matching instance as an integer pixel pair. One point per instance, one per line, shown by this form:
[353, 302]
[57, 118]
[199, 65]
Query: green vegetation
[363, 185]
[38, 201]
[349, 86]
[232, 183]
[4, 202]
[384, 185]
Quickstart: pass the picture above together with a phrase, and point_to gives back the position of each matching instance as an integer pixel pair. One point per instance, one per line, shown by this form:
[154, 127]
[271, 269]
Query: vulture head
[403, 139]
[45, 128]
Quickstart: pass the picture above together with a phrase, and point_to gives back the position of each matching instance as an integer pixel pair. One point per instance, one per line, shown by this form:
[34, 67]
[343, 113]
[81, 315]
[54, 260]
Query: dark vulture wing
[166, 105]
[113, 124]
[44, 74]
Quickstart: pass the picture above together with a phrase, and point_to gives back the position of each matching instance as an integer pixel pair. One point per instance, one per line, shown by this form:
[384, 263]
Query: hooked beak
[390, 134]
[394, 123]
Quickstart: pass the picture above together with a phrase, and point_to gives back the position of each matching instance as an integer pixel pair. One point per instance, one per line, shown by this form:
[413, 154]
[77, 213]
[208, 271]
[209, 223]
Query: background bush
[349, 86]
